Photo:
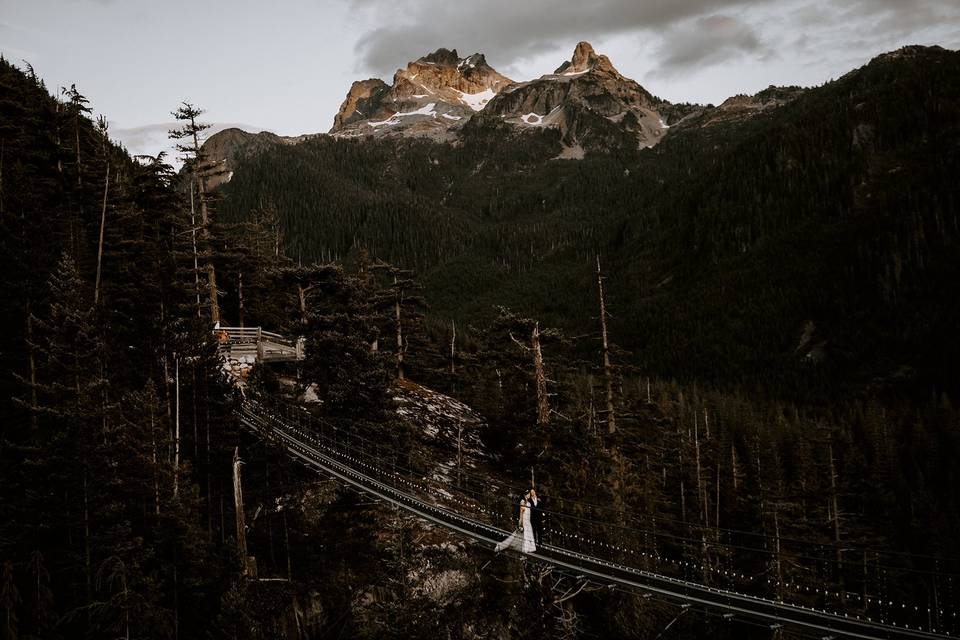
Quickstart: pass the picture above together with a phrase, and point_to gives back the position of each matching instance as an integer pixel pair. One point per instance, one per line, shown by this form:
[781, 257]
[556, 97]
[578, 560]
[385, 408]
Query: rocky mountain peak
[361, 101]
[588, 101]
[585, 59]
[433, 96]
[442, 56]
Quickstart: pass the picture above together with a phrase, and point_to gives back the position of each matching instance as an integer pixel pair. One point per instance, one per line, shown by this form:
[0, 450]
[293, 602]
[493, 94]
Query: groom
[536, 516]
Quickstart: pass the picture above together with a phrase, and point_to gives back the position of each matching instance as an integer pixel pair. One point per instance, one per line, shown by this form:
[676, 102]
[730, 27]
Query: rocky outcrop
[744, 106]
[586, 98]
[223, 151]
[432, 97]
[362, 101]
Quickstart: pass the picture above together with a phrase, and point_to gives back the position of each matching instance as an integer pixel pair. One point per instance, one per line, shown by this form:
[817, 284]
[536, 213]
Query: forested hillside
[115, 439]
[809, 249]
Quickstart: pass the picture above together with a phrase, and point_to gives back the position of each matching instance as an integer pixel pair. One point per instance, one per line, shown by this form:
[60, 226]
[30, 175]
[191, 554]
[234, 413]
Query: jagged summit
[585, 59]
[441, 56]
[588, 100]
[433, 96]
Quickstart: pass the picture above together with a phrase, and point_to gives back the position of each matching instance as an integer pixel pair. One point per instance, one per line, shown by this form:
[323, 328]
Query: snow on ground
[537, 120]
[450, 117]
[426, 110]
[310, 394]
[476, 101]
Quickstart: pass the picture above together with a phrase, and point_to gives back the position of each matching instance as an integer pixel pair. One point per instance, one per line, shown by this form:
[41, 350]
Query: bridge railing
[266, 346]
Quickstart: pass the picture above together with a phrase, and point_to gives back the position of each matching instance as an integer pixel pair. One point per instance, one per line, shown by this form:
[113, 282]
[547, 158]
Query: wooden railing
[266, 346]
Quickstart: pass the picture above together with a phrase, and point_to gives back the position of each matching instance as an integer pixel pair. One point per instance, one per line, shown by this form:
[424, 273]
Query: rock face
[432, 97]
[362, 101]
[744, 106]
[224, 150]
[588, 100]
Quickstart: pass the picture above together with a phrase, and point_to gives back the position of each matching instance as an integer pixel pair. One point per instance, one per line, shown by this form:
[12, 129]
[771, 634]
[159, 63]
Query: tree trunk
[607, 368]
[453, 346]
[240, 299]
[400, 345]
[302, 297]
[156, 472]
[776, 549]
[238, 506]
[176, 433]
[212, 291]
[835, 509]
[717, 501]
[733, 468]
[205, 228]
[2, 149]
[76, 122]
[34, 421]
[286, 531]
[701, 494]
[88, 569]
[459, 449]
[543, 402]
[193, 236]
[103, 221]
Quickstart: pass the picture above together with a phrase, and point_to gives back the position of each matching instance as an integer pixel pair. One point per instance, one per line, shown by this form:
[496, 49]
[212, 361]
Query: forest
[774, 366]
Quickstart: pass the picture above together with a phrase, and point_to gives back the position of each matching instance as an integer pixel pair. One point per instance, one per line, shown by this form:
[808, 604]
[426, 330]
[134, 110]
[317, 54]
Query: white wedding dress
[521, 539]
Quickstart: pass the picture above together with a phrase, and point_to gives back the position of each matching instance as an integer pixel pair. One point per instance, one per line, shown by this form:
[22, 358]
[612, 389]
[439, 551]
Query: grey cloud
[707, 41]
[511, 30]
[899, 18]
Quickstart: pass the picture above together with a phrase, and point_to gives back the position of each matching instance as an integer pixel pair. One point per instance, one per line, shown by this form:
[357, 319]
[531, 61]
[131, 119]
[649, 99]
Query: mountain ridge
[585, 102]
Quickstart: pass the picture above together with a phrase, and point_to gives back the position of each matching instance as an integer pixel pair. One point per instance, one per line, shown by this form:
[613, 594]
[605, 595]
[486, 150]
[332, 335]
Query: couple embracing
[526, 537]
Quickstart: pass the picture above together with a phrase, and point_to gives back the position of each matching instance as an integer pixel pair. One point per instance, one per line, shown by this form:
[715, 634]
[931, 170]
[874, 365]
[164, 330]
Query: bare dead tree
[607, 367]
[540, 377]
[238, 505]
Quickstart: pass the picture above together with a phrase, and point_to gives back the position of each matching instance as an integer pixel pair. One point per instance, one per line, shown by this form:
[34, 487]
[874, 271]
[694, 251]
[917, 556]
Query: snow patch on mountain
[477, 101]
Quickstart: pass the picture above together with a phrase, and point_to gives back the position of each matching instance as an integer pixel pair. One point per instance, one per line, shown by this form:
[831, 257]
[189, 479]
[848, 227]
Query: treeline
[116, 515]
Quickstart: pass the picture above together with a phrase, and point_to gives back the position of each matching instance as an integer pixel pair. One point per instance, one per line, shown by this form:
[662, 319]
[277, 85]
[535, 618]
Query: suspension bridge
[600, 545]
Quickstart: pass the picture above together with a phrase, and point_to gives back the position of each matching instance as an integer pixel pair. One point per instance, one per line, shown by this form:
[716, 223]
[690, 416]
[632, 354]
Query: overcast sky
[285, 65]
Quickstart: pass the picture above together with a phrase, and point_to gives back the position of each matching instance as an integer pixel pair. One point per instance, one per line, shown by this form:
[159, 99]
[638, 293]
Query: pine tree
[198, 168]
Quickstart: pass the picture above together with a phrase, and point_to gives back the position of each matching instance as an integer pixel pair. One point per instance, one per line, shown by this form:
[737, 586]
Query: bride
[522, 538]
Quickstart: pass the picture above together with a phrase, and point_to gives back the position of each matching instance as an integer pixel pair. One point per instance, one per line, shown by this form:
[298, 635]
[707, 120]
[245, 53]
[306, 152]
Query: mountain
[432, 97]
[225, 149]
[584, 106]
[834, 205]
[587, 100]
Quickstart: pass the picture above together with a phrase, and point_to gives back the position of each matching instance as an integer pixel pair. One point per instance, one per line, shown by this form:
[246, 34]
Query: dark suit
[536, 519]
